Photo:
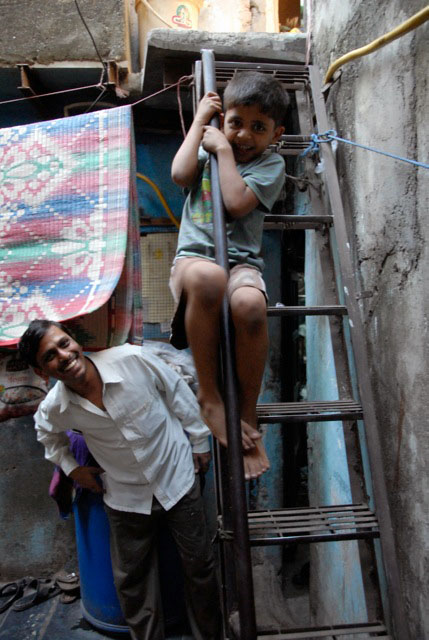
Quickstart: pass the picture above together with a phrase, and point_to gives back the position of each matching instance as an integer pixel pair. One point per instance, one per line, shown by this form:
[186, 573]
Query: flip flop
[11, 592]
[63, 576]
[29, 596]
[67, 581]
[35, 591]
[68, 598]
[48, 589]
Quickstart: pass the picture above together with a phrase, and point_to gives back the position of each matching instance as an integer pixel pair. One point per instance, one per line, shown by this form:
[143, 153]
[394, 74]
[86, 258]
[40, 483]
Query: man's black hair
[253, 87]
[29, 343]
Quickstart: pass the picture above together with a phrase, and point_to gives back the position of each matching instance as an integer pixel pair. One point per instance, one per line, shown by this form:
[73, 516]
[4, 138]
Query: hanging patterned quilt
[69, 233]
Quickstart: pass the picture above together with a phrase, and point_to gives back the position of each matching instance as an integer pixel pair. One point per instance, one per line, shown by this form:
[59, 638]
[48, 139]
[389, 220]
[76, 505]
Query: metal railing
[235, 474]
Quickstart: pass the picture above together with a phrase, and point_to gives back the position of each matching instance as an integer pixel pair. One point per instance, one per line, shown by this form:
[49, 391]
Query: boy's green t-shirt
[265, 176]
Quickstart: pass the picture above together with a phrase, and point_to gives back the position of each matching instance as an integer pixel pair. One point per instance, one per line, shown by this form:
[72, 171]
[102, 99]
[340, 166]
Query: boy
[255, 106]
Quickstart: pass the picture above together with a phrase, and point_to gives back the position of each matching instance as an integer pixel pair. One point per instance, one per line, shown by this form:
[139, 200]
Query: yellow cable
[401, 30]
[161, 197]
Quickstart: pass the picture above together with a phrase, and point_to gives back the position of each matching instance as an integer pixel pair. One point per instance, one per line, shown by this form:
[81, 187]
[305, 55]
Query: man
[133, 411]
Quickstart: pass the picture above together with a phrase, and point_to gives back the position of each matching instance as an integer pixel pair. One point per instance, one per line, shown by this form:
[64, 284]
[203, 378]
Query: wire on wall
[90, 35]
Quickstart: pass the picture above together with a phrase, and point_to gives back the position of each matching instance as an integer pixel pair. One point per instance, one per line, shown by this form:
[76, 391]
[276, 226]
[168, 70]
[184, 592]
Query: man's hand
[87, 478]
[209, 104]
[202, 461]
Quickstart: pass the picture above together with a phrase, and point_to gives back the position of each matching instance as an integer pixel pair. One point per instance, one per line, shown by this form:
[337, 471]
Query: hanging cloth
[69, 231]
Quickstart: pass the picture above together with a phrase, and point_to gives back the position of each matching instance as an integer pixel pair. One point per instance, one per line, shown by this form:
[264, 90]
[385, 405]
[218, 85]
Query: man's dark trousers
[135, 567]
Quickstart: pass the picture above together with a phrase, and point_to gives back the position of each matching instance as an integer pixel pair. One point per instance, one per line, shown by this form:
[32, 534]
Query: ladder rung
[309, 411]
[293, 145]
[300, 511]
[294, 222]
[326, 631]
[313, 524]
[326, 310]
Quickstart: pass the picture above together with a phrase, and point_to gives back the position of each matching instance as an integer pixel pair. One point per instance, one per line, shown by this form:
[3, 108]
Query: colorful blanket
[69, 234]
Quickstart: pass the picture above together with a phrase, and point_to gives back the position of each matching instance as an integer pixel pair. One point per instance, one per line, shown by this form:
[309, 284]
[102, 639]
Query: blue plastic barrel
[99, 602]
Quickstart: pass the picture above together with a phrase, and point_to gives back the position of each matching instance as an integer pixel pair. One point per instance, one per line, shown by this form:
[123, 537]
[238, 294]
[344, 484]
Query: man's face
[61, 357]
[249, 131]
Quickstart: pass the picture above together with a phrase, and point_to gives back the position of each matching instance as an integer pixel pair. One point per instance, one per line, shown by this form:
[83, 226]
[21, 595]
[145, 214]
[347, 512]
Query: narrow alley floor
[52, 620]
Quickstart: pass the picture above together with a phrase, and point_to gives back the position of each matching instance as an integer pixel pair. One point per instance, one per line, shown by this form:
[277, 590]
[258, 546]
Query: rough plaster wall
[225, 15]
[33, 538]
[43, 32]
[239, 15]
[265, 15]
[258, 18]
[382, 100]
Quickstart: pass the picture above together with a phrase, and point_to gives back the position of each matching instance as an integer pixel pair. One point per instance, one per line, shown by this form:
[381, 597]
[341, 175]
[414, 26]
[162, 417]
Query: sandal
[11, 592]
[48, 589]
[67, 581]
[68, 598]
[35, 591]
[28, 597]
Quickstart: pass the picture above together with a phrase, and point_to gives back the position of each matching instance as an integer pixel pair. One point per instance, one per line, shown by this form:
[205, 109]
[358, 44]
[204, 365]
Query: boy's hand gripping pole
[242, 558]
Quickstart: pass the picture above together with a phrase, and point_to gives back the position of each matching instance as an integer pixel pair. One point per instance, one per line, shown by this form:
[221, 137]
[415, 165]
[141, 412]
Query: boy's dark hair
[253, 87]
[29, 343]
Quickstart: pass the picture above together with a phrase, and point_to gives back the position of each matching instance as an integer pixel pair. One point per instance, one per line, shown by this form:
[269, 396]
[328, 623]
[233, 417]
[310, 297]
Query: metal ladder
[238, 529]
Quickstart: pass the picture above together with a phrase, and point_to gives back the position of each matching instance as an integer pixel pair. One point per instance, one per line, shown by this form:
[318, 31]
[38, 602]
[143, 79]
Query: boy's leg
[203, 283]
[249, 314]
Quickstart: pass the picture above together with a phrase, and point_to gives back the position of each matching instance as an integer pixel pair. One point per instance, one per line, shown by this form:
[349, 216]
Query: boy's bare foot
[249, 435]
[213, 414]
[255, 461]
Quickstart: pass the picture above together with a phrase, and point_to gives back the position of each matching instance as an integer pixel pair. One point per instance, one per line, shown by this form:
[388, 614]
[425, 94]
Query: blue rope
[330, 135]
[314, 145]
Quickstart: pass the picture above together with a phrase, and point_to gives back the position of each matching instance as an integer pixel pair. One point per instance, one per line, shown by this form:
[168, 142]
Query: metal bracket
[327, 87]
[223, 534]
[25, 85]
[113, 79]
[112, 74]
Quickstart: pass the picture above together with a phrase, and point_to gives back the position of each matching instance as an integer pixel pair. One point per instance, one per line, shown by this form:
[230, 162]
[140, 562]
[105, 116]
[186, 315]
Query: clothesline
[98, 85]
[328, 136]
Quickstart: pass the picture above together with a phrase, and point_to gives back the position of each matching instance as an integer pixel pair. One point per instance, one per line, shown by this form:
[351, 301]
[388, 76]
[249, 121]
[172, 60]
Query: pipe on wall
[412, 23]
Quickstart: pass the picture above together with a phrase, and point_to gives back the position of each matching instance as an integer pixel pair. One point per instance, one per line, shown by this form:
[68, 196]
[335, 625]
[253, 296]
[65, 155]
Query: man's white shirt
[140, 440]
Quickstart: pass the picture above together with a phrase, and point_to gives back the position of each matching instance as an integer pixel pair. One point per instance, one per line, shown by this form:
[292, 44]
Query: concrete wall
[217, 16]
[239, 15]
[47, 31]
[33, 538]
[382, 100]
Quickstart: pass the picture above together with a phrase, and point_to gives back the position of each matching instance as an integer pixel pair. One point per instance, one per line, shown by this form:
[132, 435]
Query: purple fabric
[61, 486]
[80, 451]
[61, 490]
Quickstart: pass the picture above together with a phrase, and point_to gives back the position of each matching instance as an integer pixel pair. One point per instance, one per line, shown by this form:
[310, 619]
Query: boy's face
[249, 131]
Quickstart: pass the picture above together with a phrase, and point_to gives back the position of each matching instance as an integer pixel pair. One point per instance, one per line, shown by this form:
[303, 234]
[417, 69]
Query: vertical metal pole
[223, 502]
[241, 545]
